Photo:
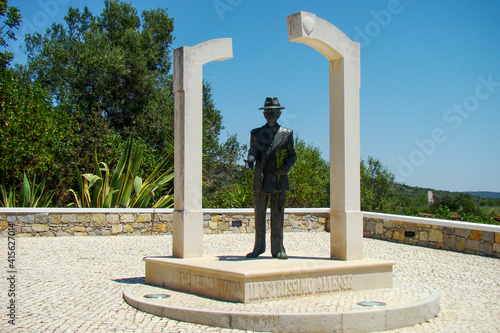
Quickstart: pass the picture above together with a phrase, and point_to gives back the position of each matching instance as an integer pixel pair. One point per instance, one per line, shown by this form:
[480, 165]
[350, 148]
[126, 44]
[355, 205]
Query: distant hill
[415, 192]
[419, 193]
[484, 194]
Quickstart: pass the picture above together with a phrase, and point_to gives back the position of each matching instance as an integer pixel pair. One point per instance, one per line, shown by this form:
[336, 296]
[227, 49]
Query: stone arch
[343, 55]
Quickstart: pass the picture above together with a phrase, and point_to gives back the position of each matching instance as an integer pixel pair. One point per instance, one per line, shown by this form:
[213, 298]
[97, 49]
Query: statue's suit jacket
[264, 144]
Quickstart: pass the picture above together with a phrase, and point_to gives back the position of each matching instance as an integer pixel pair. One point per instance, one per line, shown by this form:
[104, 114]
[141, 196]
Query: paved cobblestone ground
[75, 284]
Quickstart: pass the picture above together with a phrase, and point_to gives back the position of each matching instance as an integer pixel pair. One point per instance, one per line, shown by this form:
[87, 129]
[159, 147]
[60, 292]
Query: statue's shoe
[254, 254]
[281, 255]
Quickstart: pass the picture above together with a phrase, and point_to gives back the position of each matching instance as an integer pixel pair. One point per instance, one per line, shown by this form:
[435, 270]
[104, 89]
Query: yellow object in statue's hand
[280, 160]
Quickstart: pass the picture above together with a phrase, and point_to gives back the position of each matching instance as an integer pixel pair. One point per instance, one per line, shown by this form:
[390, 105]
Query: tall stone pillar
[343, 55]
[188, 131]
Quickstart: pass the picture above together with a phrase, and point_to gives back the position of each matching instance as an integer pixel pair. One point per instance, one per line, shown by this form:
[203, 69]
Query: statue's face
[272, 116]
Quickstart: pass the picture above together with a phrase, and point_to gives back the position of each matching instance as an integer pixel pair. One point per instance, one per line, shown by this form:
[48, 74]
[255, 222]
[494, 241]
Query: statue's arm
[252, 152]
[291, 155]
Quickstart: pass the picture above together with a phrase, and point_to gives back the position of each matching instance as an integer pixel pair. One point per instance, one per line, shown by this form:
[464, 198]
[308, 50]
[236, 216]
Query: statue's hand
[284, 169]
[250, 161]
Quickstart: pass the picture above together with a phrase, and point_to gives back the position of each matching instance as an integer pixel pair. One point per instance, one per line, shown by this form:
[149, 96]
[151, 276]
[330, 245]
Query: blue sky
[430, 76]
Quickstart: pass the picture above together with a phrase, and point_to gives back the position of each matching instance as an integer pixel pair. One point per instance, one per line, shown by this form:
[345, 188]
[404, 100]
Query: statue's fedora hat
[272, 103]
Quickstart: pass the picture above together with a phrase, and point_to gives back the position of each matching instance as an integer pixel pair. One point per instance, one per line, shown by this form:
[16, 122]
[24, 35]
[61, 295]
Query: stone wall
[440, 234]
[86, 224]
[243, 222]
[144, 222]
[474, 238]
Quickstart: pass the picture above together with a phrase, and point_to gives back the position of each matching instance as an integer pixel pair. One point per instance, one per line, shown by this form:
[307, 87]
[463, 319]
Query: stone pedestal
[237, 279]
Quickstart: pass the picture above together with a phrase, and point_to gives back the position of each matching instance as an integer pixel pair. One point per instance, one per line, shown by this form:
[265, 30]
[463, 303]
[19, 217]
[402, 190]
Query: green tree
[230, 195]
[112, 73]
[309, 183]
[34, 137]
[309, 178]
[11, 21]
[466, 205]
[378, 192]
[461, 203]
[110, 64]
[218, 157]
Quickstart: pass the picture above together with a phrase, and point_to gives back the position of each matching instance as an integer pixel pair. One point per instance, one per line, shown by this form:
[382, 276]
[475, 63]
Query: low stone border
[465, 237]
[217, 221]
[474, 238]
[84, 223]
[282, 316]
[100, 222]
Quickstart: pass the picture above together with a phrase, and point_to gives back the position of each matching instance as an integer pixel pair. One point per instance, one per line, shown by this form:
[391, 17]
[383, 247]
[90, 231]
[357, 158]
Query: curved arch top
[307, 28]
[212, 50]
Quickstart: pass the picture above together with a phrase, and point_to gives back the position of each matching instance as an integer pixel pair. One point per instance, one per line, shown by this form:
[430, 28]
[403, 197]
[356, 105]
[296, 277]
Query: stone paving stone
[76, 284]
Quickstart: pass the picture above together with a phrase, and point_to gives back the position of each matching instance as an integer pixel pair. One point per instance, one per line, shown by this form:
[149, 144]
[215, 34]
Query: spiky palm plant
[123, 188]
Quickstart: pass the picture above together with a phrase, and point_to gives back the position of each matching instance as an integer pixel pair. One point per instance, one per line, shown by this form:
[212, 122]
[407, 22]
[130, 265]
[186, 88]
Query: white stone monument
[232, 277]
[430, 198]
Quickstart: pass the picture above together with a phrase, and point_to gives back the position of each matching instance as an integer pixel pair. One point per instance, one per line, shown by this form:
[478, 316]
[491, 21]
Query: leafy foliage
[489, 202]
[111, 65]
[240, 195]
[236, 197]
[461, 203]
[487, 217]
[29, 195]
[309, 178]
[309, 183]
[111, 73]
[443, 212]
[217, 157]
[123, 187]
[34, 138]
[377, 187]
[11, 21]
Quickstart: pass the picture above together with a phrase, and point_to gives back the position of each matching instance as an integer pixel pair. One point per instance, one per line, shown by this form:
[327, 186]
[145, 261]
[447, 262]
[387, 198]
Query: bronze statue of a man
[271, 149]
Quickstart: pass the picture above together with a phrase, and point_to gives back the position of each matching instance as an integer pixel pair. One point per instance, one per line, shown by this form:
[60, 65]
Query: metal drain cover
[371, 303]
[156, 296]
